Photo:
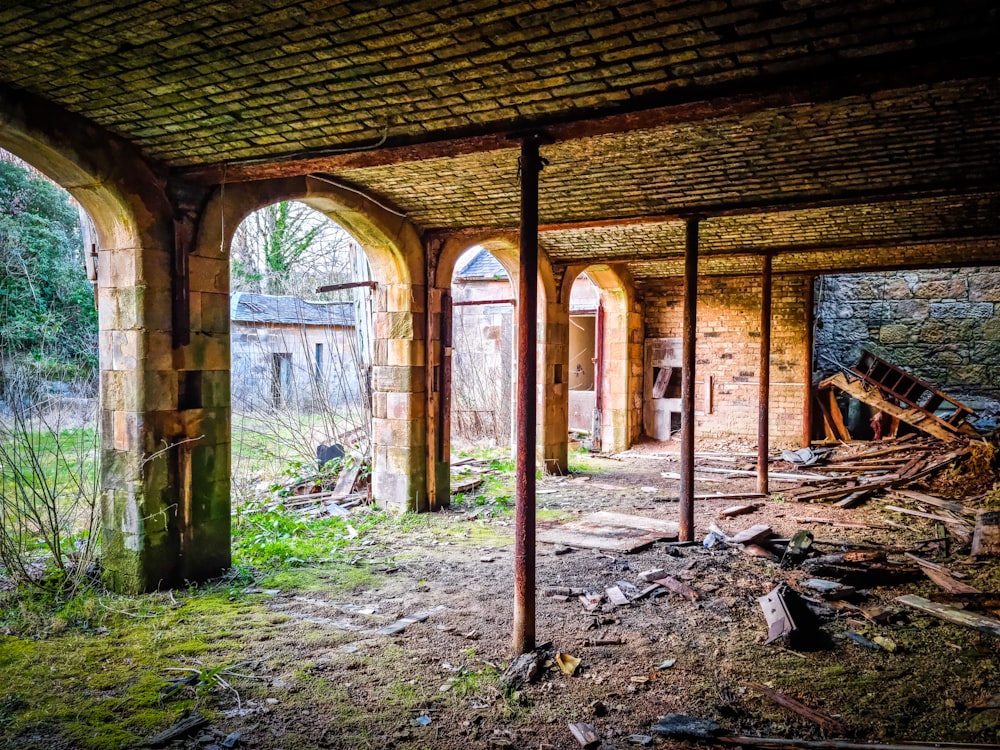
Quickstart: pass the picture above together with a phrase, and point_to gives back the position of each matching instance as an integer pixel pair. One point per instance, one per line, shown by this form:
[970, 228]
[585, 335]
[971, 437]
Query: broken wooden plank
[756, 533]
[178, 729]
[612, 532]
[615, 596]
[825, 721]
[986, 538]
[930, 516]
[947, 583]
[345, 482]
[780, 743]
[753, 472]
[739, 510]
[678, 587]
[952, 614]
[928, 564]
[855, 498]
[925, 499]
[876, 400]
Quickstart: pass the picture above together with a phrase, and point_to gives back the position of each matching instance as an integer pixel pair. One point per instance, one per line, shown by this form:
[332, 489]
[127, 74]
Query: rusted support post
[764, 392]
[687, 381]
[597, 421]
[531, 164]
[807, 377]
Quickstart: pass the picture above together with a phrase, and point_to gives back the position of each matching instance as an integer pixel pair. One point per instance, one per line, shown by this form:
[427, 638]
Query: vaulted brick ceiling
[869, 128]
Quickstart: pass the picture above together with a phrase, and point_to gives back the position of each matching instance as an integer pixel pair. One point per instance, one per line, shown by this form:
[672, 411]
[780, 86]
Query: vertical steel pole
[687, 381]
[764, 392]
[807, 364]
[527, 335]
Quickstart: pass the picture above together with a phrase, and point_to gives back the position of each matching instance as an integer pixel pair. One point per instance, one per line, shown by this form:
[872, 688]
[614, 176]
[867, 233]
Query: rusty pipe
[531, 164]
[687, 381]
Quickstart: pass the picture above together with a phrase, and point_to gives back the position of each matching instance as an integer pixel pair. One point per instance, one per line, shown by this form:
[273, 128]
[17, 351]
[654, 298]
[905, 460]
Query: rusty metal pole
[531, 164]
[807, 401]
[687, 381]
[764, 392]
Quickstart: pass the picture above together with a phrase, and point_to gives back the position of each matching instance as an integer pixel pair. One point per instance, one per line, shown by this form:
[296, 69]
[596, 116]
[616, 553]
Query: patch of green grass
[97, 680]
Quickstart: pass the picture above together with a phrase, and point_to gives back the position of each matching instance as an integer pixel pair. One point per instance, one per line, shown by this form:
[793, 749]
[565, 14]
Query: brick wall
[941, 325]
[728, 350]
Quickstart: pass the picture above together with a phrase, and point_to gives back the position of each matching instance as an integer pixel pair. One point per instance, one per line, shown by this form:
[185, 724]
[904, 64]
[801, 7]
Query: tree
[47, 313]
[288, 248]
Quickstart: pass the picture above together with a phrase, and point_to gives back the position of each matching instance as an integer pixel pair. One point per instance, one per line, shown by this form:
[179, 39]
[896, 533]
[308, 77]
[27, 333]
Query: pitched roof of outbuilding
[245, 307]
[483, 266]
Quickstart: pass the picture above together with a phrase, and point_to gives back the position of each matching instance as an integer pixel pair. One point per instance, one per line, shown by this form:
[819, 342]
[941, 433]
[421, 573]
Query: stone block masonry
[728, 351]
[941, 325]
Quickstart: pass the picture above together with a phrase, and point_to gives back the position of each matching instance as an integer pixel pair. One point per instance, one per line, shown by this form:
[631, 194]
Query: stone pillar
[553, 388]
[636, 339]
[618, 385]
[438, 398]
[165, 419]
[399, 435]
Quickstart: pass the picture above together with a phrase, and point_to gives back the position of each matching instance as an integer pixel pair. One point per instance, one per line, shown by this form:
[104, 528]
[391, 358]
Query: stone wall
[728, 352]
[941, 325]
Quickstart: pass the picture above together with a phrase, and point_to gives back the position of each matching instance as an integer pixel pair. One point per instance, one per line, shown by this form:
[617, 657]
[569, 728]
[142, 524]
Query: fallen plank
[779, 743]
[753, 472]
[855, 498]
[678, 587]
[827, 722]
[755, 533]
[345, 482]
[928, 564]
[612, 532]
[952, 614]
[925, 499]
[948, 520]
[986, 538]
[738, 510]
[947, 583]
[838, 524]
[616, 597]
[179, 729]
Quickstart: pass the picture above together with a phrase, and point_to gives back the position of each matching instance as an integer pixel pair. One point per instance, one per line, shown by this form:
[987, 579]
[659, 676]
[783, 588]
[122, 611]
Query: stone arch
[551, 435]
[395, 252]
[147, 524]
[621, 354]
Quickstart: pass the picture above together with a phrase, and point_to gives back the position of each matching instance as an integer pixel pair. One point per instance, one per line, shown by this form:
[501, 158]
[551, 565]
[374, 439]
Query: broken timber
[612, 532]
[952, 614]
[890, 391]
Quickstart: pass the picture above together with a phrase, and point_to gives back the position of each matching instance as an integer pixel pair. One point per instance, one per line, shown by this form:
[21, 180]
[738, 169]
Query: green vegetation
[48, 319]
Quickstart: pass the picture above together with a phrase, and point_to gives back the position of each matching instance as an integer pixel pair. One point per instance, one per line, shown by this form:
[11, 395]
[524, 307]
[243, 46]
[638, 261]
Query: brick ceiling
[795, 126]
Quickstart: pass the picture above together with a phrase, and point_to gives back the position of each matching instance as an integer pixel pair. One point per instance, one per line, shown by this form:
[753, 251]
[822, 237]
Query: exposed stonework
[942, 325]
[728, 350]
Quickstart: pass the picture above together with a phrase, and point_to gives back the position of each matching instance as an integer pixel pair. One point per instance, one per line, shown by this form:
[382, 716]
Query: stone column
[553, 388]
[399, 435]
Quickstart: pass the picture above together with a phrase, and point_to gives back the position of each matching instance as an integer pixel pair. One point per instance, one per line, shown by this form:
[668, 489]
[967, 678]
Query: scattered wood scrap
[825, 721]
[612, 532]
[986, 538]
[951, 614]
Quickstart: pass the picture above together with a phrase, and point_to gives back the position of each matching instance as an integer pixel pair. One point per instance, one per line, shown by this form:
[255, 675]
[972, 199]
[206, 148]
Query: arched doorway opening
[604, 341]
[482, 351]
[301, 317]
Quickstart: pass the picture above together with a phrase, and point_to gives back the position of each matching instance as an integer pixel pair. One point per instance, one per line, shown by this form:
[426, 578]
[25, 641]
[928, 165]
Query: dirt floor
[323, 679]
